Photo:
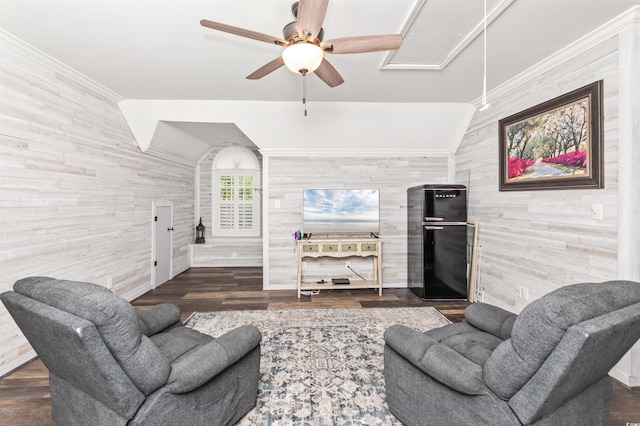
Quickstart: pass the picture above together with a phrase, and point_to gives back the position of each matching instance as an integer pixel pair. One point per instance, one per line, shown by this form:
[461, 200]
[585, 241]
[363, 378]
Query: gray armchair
[110, 366]
[546, 366]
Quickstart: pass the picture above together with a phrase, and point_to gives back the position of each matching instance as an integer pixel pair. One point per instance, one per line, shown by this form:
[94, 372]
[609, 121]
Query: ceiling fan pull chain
[304, 90]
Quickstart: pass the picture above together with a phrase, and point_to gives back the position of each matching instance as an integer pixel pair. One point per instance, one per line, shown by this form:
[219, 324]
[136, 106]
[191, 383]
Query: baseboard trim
[18, 362]
[624, 385]
[229, 263]
[622, 376]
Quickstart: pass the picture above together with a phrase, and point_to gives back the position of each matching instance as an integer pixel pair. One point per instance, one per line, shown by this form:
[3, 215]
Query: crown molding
[12, 42]
[567, 53]
[388, 153]
[169, 157]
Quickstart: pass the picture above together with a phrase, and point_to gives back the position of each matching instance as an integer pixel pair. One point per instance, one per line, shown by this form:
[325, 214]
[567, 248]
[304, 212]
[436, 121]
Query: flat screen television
[340, 211]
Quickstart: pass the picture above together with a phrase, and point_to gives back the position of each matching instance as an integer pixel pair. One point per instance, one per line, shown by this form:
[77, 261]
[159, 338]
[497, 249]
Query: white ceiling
[156, 49]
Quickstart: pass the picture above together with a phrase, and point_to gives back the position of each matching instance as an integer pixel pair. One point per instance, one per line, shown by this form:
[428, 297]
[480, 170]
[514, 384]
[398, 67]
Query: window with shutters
[236, 207]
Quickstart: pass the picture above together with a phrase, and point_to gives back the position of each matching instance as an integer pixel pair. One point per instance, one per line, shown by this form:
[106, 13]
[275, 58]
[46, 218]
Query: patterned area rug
[320, 366]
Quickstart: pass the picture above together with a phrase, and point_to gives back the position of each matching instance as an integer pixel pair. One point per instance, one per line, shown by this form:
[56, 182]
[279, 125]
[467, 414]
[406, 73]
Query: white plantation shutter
[245, 202]
[236, 208]
[245, 217]
[226, 205]
[227, 221]
[237, 205]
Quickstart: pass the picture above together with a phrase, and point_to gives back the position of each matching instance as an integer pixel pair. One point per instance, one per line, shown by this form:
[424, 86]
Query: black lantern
[200, 233]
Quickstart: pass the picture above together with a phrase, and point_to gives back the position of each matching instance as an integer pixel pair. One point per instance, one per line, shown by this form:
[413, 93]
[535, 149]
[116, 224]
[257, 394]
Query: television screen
[341, 211]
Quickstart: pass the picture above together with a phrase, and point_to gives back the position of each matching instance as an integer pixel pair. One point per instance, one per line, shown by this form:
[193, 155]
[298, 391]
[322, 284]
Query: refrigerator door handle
[432, 219]
[433, 228]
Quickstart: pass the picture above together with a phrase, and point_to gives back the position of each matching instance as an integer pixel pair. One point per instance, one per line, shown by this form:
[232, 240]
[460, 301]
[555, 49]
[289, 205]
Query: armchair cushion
[175, 342]
[586, 353]
[157, 318]
[491, 319]
[197, 367]
[541, 325]
[470, 342]
[439, 361]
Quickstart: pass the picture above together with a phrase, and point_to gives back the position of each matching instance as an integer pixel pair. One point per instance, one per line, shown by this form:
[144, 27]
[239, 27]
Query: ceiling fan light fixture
[302, 56]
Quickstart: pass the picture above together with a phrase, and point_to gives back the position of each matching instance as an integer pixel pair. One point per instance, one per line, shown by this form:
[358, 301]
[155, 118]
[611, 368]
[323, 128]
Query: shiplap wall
[205, 192]
[542, 240]
[288, 176]
[76, 193]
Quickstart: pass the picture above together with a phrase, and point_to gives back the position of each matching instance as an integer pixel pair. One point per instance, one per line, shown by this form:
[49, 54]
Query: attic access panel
[439, 30]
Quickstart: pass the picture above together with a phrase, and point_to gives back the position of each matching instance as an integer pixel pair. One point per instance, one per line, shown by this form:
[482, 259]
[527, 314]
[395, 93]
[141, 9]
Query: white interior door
[163, 238]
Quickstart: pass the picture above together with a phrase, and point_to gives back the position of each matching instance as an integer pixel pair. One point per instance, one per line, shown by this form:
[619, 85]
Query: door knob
[170, 229]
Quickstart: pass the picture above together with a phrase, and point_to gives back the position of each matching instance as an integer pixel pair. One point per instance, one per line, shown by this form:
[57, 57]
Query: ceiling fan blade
[363, 44]
[243, 33]
[310, 16]
[266, 69]
[327, 73]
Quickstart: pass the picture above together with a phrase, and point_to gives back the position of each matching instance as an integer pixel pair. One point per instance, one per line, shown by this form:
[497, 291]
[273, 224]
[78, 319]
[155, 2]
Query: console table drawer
[350, 247]
[329, 248]
[369, 247]
[310, 248]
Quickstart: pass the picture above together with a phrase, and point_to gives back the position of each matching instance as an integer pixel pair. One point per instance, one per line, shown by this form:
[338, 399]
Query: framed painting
[554, 145]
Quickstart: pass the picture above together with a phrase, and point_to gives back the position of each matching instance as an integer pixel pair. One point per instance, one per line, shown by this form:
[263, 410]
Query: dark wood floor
[24, 393]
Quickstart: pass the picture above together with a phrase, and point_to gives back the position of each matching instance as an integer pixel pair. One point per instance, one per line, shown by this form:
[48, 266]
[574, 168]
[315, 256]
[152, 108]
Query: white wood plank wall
[542, 240]
[76, 192]
[205, 195]
[288, 176]
[229, 252]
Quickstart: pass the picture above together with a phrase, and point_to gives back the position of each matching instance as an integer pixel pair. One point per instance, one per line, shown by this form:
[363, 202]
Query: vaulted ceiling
[146, 50]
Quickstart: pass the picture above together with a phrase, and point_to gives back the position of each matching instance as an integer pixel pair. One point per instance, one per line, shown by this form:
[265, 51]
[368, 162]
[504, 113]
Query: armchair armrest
[196, 368]
[491, 319]
[157, 318]
[438, 361]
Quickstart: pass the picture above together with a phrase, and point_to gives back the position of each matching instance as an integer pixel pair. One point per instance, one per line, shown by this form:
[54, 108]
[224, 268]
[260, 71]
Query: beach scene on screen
[341, 210]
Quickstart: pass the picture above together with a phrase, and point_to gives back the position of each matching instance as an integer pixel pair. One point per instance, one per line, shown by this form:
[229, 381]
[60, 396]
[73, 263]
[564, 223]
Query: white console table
[341, 248]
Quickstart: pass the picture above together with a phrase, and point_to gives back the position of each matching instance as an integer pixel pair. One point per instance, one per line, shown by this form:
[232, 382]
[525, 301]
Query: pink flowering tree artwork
[556, 144]
[549, 145]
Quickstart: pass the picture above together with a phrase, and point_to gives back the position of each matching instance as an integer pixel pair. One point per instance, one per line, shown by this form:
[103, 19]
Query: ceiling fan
[304, 45]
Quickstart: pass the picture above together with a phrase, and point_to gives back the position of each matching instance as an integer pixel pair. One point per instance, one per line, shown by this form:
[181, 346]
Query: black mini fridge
[437, 241]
